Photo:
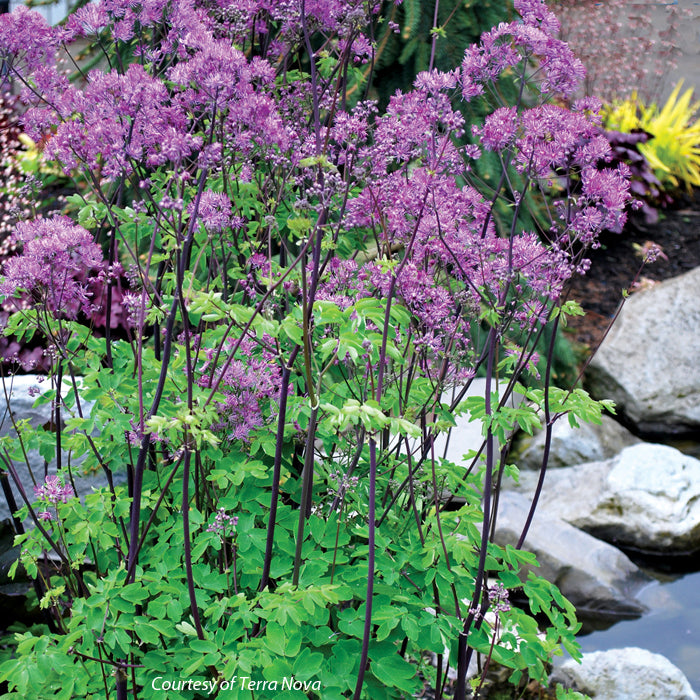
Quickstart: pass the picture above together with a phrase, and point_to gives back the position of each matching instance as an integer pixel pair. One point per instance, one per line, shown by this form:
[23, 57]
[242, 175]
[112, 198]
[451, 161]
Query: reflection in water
[671, 627]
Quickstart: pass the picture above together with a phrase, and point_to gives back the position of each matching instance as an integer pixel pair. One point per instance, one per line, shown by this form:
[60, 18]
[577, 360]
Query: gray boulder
[625, 674]
[22, 392]
[466, 436]
[648, 364]
[646, 498]
[595, 576]
[587, 443]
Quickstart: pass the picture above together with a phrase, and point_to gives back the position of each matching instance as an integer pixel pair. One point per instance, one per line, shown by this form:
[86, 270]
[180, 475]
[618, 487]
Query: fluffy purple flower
[216, 72]
[25, 33]
[114, 120]
[53, 491]
[435, 81]
[54, 265]
[88, 20]
[214, 211]
[498, 597]
[506, 45]
[396, 182]
[499, 129]
[249, 383]
[609, 189]
[555, 138]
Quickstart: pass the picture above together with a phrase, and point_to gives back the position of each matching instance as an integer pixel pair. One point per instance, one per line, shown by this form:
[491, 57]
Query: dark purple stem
[370, 567]
[548, 423]
[277, 471]
[464, 651]
[137, 483]
[187, 544]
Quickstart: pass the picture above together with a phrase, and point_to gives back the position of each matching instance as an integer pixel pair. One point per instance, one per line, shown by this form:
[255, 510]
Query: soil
[616, 264]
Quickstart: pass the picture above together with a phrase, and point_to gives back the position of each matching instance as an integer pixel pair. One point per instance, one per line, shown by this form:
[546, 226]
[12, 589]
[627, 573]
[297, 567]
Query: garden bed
[616, 263]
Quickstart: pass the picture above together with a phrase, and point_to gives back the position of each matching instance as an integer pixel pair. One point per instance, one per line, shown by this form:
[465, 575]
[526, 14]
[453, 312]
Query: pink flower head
[498, 597]
[214, 211]
[88, 20]
[25, 34]
[507, 44]
[53, 491]
[499, 129]
[54, 265]
[435, 81]
[249, 386]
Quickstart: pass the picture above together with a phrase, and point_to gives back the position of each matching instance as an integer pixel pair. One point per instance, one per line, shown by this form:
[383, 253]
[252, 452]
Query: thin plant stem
[276, 473]
[367, 630]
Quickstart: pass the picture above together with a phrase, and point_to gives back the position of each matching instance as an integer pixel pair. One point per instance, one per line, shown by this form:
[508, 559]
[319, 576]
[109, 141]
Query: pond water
[671, 627]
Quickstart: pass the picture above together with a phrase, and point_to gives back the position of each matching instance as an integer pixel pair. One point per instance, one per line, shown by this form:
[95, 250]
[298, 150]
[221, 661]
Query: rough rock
[570, 446]
[21, 391]
[647, 498]
[595, 576]
[648, 364]
[625, 674]
[466, 436]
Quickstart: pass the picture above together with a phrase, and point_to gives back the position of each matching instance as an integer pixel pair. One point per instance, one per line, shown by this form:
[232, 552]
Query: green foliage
[250, 633]
[311, 632]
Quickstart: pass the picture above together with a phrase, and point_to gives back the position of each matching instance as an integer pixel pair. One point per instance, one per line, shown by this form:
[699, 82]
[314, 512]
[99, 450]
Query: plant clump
[309, 278]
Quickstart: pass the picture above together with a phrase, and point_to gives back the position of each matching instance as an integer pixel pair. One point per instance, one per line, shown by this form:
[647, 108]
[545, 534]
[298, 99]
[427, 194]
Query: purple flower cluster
[214, 211]
[54, 264]
[413, 199]
[533, 37]
[458, 260]
[122, 118]
[498, 597]
[52, 492]
[201, 100]
[249, 383]
[114, 121]
[26, 37]
[550, 139]
[223, 524]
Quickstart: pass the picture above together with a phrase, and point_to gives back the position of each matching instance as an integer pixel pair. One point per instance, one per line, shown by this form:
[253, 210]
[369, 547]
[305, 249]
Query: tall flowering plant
[309, 281]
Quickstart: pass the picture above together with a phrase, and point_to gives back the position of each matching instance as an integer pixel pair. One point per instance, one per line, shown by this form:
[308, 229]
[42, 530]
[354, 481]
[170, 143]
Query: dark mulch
[616, 263]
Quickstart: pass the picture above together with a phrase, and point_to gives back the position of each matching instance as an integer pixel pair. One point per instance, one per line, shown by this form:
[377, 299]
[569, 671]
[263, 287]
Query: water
[671, 627]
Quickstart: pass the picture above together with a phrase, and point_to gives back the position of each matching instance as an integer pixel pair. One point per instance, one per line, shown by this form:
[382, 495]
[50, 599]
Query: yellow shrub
[673, 150]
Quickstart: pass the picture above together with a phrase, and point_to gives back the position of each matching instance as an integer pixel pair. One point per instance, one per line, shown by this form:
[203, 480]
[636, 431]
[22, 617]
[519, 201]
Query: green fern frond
[412, 14]
[408, 50]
